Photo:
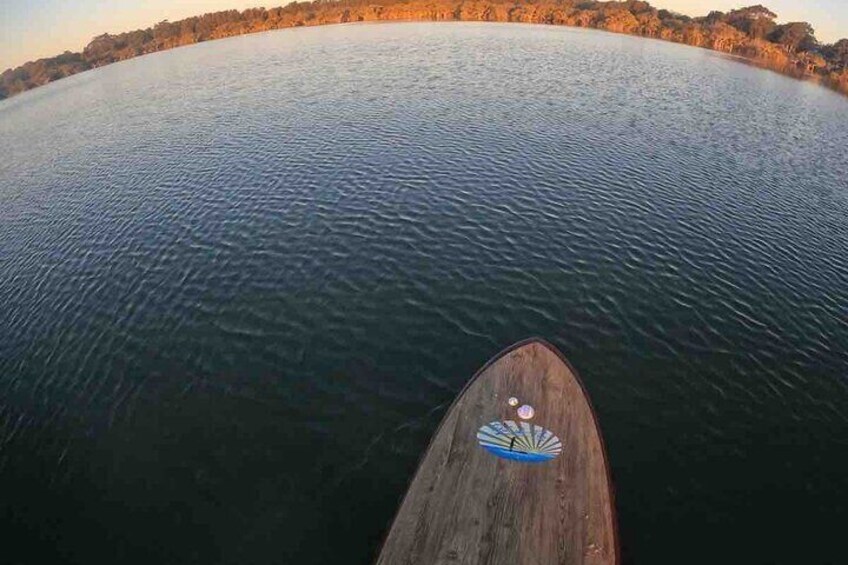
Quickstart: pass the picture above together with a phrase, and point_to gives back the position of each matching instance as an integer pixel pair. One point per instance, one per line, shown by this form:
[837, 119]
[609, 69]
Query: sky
[31, 29]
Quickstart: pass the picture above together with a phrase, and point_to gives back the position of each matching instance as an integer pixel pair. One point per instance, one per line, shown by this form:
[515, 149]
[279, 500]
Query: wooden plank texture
[469, 506]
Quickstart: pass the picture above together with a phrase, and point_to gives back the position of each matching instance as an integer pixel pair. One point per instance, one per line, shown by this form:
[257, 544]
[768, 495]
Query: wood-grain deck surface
[468, 506]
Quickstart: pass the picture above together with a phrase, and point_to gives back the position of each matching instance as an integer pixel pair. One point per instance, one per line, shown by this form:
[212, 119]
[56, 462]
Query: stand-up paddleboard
[516, 473]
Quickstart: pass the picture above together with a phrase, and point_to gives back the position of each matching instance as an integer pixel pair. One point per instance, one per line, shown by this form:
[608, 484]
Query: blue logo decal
[523, 442]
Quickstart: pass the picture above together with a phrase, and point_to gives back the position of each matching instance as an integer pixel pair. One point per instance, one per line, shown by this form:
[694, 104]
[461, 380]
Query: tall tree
[715, 17]
[795, 36]
[837, 54]
[756, 21]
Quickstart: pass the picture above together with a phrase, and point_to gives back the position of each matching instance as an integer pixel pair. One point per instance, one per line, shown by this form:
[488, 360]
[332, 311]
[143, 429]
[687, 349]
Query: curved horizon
[29, 28]
[752, 33]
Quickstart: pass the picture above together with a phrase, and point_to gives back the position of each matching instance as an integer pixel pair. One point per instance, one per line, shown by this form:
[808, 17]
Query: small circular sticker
[526, 412]
[523, 442]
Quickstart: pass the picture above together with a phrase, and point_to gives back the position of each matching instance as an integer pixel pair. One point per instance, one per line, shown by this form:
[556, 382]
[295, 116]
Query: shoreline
[620, 18]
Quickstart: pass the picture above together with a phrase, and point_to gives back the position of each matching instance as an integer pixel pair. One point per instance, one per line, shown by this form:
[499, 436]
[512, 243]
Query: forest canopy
[752, 32]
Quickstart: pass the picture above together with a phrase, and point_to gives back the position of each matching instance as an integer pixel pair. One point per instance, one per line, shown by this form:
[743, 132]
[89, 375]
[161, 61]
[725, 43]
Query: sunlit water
[241, 281]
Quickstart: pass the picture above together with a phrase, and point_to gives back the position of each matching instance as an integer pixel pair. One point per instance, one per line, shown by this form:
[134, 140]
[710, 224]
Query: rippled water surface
[241, 281]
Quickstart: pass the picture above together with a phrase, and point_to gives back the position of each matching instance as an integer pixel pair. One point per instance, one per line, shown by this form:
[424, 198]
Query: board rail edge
[506, 351]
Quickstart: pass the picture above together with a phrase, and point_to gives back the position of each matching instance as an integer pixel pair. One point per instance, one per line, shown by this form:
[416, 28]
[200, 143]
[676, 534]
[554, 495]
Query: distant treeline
[751, 32]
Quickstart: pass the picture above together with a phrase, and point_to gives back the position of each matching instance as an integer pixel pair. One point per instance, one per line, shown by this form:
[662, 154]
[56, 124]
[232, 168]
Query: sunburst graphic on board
[522, 441]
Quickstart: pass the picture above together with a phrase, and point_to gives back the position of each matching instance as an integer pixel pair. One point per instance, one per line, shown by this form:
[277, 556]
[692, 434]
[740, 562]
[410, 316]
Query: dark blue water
[240, 282]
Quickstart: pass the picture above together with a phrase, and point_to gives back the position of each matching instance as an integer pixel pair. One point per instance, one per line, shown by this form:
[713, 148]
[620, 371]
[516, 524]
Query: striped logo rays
[519, 441]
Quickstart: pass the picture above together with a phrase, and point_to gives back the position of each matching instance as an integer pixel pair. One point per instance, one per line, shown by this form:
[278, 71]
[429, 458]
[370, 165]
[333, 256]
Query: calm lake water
[241, 282]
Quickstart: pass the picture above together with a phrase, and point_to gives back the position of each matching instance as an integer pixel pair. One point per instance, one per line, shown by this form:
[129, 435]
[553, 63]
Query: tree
[795, 36]
[165, 30]
[672, 16]
[638, 6]
[724, 37]
[756, 21]
[753, 13]
[813, 62]
[618, 19]
[715, 17]
[693, 34]
[837, 54]
[100, 48]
